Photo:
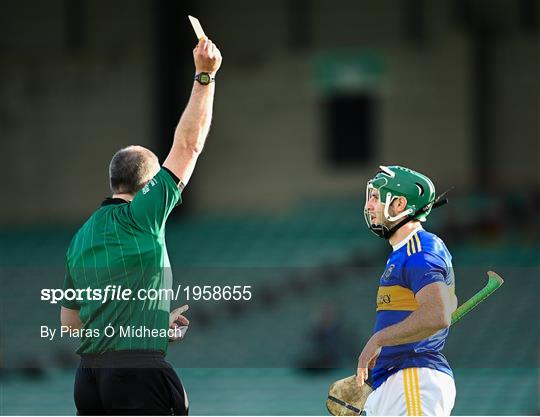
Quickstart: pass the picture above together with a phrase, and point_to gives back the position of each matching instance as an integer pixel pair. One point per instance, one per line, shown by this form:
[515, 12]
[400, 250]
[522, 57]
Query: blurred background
[311, 98]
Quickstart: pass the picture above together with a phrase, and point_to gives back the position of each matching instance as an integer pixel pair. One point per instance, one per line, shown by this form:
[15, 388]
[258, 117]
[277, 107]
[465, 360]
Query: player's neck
[127, 197]
[403, 232]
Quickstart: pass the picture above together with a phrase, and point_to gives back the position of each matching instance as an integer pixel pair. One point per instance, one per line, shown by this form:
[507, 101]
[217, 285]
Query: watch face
[204, 78]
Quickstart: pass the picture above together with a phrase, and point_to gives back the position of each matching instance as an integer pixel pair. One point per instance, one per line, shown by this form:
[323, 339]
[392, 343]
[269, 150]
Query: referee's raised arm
[191, 132]
[124, 341]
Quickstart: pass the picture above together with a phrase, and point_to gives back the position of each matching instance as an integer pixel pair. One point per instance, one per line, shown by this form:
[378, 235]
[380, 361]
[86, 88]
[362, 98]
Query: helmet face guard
[394, 182]
[379, 229]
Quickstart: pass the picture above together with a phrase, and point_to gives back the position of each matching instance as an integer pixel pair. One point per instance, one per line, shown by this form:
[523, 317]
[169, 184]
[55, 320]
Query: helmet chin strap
[386, 233]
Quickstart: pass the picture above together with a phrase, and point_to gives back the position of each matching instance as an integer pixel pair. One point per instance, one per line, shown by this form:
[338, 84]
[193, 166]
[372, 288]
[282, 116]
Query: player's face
[374, 207]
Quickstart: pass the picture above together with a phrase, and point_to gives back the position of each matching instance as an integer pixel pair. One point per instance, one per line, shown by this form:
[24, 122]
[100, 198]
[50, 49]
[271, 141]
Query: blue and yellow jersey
[417, 261]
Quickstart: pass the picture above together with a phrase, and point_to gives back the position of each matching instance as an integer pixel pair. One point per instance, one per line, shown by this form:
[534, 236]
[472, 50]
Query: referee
[122, 246]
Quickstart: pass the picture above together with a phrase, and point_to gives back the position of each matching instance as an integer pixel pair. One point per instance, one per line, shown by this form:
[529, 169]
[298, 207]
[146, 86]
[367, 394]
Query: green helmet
[395, 181]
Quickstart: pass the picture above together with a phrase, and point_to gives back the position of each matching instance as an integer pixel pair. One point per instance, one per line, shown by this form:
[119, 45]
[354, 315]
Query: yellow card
[197, 27]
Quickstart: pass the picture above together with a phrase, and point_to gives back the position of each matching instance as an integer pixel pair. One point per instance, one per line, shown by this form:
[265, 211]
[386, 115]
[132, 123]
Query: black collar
[109, 200]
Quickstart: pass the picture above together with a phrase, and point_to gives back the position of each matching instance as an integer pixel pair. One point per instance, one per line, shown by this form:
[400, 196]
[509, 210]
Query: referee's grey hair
[130, 169]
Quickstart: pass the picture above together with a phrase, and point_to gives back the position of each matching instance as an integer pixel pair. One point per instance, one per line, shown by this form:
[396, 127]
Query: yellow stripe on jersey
[396, 297]
[417, 389]
[418, 245]
[414, 245]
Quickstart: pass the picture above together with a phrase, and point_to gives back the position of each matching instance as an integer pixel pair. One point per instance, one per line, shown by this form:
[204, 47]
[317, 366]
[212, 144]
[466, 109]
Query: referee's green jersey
[123, 244]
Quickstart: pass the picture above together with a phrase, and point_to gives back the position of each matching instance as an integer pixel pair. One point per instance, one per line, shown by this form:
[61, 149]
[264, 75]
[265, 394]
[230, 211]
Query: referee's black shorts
[128, 383]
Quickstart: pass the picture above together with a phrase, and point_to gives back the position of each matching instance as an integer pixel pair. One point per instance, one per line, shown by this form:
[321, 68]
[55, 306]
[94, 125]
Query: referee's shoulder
[84, 228]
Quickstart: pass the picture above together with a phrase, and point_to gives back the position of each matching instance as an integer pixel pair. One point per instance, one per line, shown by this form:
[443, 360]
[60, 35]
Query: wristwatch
[204, 78]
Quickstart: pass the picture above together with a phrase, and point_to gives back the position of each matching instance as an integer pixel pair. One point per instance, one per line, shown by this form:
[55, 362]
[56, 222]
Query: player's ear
[401, 204]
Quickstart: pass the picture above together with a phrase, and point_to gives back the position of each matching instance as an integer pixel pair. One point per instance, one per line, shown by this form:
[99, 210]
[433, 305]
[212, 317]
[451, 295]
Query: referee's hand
[177, 319]
[207, 56]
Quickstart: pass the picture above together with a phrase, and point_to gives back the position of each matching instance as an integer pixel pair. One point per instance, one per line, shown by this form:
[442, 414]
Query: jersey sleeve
[155, 201]
[68, 285]
[423, 268]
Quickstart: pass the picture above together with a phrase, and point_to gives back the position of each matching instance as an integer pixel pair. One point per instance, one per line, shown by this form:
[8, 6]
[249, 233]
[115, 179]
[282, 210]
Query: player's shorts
[413, 392]
[128, 383]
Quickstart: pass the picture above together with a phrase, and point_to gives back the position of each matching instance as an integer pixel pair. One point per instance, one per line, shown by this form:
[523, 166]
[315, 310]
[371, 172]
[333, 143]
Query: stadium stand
[316, 258]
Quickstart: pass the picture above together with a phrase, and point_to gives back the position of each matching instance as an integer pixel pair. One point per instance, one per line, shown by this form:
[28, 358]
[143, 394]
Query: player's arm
[70, 318]
[434, 313]
[191, 132]
[436, 305]
[453, 298]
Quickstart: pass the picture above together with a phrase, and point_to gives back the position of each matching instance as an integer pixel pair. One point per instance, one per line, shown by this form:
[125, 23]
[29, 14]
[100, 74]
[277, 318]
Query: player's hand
[207, 56]
[367, 359]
